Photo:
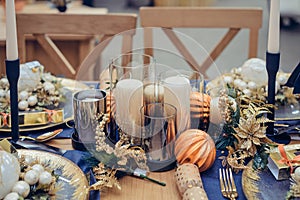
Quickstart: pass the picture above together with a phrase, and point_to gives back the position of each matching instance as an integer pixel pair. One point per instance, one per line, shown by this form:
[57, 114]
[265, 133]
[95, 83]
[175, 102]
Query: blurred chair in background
[44, 28]
[233, 19]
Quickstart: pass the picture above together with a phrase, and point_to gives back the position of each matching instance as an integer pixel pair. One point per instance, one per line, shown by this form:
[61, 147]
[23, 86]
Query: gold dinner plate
[263, 185]
[74, 182]
[69, 87]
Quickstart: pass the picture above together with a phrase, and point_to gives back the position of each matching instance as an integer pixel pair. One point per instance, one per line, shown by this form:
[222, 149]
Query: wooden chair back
[45, 27]
[234, 19]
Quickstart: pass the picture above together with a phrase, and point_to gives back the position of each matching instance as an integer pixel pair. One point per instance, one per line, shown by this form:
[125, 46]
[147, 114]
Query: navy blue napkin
[78, 157]
[211, 183]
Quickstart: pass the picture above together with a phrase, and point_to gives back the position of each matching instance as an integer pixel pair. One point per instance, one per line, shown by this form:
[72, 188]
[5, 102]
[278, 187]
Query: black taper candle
[13, 73]
[272, 65]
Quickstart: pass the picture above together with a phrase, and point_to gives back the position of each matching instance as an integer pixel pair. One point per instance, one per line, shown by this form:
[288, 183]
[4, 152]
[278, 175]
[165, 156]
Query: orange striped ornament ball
[199, 110]
[197, 147]
[200, 104]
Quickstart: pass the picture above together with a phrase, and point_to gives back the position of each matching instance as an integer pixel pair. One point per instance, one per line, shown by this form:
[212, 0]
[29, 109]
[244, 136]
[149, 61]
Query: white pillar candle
[129, 99]
[179, 96]
[11, 32]
[274, 27]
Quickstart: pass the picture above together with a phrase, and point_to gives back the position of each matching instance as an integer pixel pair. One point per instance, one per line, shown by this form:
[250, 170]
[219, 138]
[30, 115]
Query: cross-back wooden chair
[234, 19]
[44, 27]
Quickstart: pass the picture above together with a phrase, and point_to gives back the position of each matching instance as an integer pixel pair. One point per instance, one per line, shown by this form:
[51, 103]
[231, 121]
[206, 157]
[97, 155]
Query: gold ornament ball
[197, 147]
[199, 104]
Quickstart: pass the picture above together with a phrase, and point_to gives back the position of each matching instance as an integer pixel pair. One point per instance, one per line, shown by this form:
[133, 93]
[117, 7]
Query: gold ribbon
[285, 160]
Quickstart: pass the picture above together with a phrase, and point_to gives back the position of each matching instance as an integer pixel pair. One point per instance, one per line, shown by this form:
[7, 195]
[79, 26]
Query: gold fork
[227, 184]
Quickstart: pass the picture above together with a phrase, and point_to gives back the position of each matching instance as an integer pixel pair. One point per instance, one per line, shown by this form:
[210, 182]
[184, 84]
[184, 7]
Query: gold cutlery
[227, 184]
[41, 138]
[48, 136]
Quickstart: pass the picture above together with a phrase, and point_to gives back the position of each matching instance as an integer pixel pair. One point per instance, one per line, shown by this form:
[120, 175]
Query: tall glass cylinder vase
[129, 73]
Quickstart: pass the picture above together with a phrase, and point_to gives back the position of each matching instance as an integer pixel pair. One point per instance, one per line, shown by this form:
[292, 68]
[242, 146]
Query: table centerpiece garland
[244, 130]
[38, 92]
[251, 80]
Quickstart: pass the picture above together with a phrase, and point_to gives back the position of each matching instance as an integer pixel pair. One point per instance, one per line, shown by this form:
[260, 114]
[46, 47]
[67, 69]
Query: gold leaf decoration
[250, 134]
[105, 178]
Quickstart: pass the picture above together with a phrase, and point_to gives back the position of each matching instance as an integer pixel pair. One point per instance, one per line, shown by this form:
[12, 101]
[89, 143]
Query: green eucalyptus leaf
[260, 159]
[232, 92]
[224, 141]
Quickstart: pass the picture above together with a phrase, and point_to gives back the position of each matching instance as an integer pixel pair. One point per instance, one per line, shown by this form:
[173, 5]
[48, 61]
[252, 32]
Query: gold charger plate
[69, 87]
[262, 185]
[73, 180]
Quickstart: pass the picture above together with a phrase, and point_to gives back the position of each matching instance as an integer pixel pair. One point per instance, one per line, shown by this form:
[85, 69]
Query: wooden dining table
[134, 188]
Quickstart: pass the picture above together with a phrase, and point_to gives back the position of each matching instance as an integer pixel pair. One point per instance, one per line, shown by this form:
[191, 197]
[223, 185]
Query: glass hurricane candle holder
[128, 75]
[187, 87]
[158, 134]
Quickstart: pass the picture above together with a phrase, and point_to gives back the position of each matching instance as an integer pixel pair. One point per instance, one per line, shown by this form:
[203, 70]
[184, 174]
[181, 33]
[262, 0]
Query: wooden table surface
[135, 188]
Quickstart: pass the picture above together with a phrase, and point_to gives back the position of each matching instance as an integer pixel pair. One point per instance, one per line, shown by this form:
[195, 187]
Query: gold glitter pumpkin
[197, 147]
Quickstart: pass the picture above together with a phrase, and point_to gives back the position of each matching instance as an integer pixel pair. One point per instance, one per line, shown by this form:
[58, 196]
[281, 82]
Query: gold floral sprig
[122, 156]
[244, 130]
[106, 178]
